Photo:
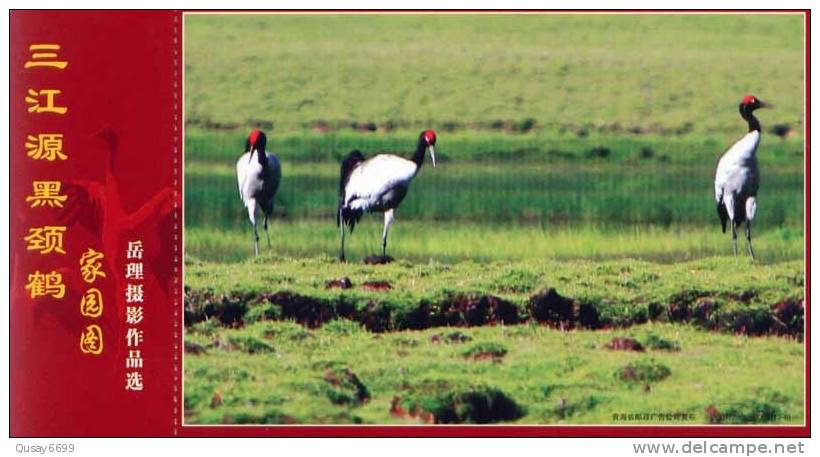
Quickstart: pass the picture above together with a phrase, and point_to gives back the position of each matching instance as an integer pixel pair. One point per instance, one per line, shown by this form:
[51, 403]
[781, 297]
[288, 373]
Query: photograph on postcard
[515, 219]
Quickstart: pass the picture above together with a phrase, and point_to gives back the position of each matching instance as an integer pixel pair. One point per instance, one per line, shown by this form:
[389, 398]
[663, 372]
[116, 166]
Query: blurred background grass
[643, 71]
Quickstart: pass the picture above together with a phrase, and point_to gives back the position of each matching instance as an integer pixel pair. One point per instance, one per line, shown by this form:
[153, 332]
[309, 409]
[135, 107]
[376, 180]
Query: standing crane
[378, 184]
[737, 177]
[258, 175]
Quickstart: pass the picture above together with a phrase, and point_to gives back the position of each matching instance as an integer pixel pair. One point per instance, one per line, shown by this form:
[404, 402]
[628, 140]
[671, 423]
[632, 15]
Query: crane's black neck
[747, 113]
[262, 157]
[418, 156]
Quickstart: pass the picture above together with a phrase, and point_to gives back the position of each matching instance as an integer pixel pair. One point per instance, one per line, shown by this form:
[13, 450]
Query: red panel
[122, 75]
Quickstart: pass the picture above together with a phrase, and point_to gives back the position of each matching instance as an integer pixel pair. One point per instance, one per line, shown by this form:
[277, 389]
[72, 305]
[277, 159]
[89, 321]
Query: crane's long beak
[432, 154]
[764, 104]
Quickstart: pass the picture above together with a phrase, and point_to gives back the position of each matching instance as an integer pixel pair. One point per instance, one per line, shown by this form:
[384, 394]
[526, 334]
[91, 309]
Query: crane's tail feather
[348, 164]
[723, 215]
[344, 214]
[348, 216]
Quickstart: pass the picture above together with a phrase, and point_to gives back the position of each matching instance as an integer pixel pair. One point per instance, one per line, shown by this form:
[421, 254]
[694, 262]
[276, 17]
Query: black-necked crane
[377, 184]
[258, 175]
[737, 177]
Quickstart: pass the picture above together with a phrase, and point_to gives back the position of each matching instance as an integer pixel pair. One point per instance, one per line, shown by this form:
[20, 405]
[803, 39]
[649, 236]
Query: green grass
[452, 242]
[651, 73]
[718, 293]
[248, 361]
[546, 377]
[510, 192]
[644, 150]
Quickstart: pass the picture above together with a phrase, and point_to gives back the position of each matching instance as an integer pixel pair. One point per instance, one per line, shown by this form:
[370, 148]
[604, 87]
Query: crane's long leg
[341, 236]
[749, 239]
[252, 217]
[388, 221]
[734, 237]
[267, 234]
[255, 240]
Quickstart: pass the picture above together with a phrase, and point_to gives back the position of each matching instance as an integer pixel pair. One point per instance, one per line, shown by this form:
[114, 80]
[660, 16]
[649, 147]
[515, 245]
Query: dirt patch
[229, 308]
[679, 312]
[588, 316]
[343, 283]
[689, 296]
[437, 402]
[193, 348]
[485, 351]
[744, 297]
[704, 311]
[622, 343]
[474, 309]
[249, 344]
[343, 387]
[713, 415]
[321, 126]
[711, 311]
[308, 311]
[454, 337]
[658, 343]
[550, 307]
[417, 413]
[788, 317]
[365, 126]
[377, 286]
[754, 321]
[643, 371]
[377, 260]
[376, 317]
[216, 400]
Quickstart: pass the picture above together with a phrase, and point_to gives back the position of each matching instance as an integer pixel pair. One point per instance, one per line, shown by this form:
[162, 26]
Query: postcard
[415, 223]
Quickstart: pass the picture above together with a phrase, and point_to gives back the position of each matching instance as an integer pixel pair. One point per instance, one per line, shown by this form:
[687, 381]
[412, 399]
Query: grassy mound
[441, 402]
[715, 294]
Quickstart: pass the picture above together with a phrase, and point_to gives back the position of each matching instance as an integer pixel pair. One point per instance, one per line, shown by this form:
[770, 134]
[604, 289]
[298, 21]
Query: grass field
[646, 72]
[428, 343]
[278, 373]
[584, 208]
[572, 210]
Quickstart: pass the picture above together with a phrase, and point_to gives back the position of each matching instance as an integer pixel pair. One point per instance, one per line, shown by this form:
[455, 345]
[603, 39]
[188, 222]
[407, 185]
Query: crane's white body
[257, 187]
[737, 170]
[380, 183]
[737, 180]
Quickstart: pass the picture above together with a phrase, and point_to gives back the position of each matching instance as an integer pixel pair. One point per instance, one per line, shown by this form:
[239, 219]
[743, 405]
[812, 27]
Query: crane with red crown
[258, 174]
[377, 184]
[737, 177]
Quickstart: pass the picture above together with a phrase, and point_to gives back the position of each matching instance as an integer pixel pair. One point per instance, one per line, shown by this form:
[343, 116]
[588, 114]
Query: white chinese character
[134, 337]
[133, 380]
[134, 360]
[134, 293]
[134, 250]
[133, 271]
[133, 314]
